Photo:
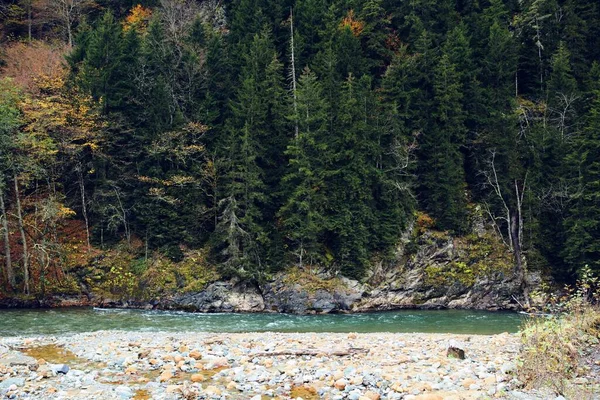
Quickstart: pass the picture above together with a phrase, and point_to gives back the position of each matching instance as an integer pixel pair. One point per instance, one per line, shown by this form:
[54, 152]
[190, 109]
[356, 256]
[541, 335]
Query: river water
[75, 320]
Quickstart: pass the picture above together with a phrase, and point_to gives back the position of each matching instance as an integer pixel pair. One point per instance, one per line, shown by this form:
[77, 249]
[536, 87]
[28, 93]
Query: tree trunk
[519, 269]
[514, 227]
[10, 274]
[293, 73]
[23, 237]
[84, 207]
[314, 352]
[69, 34]
[29, 22]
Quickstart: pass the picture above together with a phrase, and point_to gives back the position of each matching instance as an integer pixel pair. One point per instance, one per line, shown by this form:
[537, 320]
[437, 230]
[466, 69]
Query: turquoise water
[75, 320]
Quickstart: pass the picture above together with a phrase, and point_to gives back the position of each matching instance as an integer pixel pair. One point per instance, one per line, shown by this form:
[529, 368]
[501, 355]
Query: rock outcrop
[430, 270]
[437, 276]
[219, 297]
[440, 272]
[297, 298]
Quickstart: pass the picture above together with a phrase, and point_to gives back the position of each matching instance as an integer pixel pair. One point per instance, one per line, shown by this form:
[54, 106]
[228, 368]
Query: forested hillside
[257, 135]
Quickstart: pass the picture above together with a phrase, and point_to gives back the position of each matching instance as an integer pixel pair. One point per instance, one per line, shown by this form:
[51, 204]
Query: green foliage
[10, 119]
[103, 69]
[241, 233]
[442, 161]
[188, 138]
[9, 111]
[303, 212]
[582, 223]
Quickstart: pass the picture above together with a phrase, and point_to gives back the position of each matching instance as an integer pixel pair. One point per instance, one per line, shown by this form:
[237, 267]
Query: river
[77, 320]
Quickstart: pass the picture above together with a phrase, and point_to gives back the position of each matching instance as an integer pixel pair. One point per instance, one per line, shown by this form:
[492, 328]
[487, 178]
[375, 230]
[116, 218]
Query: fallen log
[313, 352]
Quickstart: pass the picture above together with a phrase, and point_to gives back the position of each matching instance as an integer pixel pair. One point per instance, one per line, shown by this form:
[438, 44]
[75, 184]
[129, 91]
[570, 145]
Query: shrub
[557, 350]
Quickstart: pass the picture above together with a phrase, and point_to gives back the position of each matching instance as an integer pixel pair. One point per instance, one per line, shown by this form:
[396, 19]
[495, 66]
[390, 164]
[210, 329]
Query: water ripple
[75, 320]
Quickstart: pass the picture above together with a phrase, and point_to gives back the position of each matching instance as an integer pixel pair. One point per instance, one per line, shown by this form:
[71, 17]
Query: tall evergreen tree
[377, 36]
[582, 224]
[549, 140]
[303, 212]
[563, 96]
[245, 191]
[350, 207]
[103, 68]
[504, 176]
[442, 171]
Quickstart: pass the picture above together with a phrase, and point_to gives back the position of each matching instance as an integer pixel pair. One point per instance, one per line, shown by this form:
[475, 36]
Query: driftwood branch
[315, 352]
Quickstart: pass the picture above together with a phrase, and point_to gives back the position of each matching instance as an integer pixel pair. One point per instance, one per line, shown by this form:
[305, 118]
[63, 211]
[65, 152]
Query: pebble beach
[156, 365]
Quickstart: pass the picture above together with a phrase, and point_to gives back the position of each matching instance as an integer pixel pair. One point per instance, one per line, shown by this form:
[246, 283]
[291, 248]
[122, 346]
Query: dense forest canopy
[306, 132]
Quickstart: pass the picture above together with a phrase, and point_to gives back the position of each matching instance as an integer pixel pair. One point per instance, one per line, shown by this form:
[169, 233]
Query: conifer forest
[257, 135]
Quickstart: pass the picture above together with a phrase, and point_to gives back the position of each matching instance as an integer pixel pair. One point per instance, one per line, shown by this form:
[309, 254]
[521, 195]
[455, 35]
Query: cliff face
[429, 270]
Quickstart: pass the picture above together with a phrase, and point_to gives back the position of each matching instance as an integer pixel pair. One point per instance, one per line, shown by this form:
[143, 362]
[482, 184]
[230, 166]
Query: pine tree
[349, 181]
[245, 191]
[460, 54]
[500, 166]
[582, 224]
[549, 141]
[309, 16]
[538, 29]
[375, 36]
[218, 89]
[576, 34]
[302, 214]
[102, 68]
[400, 85]
[442, 171]
[348, 52]
[433, 16]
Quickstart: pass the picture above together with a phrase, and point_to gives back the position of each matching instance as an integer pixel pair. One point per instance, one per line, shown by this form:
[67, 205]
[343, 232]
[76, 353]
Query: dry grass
[311, 281]
[560, 352]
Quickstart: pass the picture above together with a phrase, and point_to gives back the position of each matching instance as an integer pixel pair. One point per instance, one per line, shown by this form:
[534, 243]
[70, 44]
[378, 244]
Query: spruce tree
[245, 191]
[303, 211]
[349, 181]
[442, 171]
[582, 223]
[377, 36]
[549, 140]
[102, 71]
[577, 33]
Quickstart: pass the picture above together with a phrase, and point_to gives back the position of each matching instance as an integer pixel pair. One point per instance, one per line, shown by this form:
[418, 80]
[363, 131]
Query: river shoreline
[166, 365]
[421, 278]
[280, 296]
[58, 302]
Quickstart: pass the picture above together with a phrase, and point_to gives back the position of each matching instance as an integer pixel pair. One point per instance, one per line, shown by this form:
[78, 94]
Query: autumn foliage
[351, 21]
[27, 63]
[54, 122]
[137, 18]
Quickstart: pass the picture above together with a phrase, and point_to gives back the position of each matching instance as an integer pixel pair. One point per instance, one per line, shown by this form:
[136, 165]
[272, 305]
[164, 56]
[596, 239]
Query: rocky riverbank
[309, 295]
[429, 270]
[136, 365]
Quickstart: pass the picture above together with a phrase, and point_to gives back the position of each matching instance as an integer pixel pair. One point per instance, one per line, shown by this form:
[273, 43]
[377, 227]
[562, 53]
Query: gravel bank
[150, 365]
